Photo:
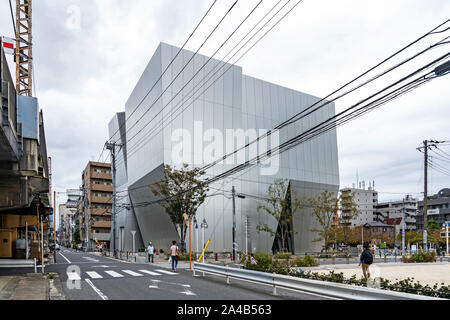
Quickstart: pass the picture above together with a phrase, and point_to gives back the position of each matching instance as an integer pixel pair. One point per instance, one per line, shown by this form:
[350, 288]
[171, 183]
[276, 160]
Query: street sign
[433, 211]
[444, 236]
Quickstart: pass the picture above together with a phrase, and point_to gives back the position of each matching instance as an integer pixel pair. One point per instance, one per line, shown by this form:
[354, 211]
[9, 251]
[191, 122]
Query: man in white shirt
[150, 251]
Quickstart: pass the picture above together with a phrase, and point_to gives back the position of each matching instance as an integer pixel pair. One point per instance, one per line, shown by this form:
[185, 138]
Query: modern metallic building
[149, 131]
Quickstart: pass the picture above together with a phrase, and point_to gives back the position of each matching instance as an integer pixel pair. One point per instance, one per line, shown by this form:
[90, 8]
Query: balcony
[101, 224]
[101, 187]
[104, 200]
[101, 175]
[100, 212]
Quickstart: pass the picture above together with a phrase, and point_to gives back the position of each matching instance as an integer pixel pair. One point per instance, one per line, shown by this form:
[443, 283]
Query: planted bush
[306, 261]
[421, 257]
[283, 255]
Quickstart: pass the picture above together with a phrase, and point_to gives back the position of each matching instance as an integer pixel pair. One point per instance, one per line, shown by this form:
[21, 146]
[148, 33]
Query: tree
[349, 211]
[182, 192]
[325, 208]
[433, 225]
[76, 236]
[282, 205]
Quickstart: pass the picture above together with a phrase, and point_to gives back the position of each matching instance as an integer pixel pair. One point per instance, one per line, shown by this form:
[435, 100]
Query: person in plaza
[174, 251]
[366, 260]
[252, 259]
[150, 252]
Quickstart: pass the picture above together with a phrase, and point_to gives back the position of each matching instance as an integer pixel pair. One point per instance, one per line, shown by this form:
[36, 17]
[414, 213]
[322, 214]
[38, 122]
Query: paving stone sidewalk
[31, 286]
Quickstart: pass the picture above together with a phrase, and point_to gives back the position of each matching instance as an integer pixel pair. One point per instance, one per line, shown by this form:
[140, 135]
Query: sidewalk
[31, 286]
[425, 273]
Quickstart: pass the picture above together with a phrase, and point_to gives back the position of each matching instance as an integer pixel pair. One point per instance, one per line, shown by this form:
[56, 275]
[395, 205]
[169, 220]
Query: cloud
[84, 76]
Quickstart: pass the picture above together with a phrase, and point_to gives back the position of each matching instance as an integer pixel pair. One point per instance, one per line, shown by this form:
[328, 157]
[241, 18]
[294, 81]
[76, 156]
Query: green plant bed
[283, 255]
[421, 257]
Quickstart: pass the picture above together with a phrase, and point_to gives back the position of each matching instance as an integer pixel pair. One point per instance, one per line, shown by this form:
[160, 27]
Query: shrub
[421, 257]
[263, 259]
[306, 261]
[161, 251]
[141, 250]
[283, 255]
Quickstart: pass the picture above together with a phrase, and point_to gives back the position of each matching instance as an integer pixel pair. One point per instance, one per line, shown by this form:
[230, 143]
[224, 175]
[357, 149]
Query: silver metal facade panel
[235, 101]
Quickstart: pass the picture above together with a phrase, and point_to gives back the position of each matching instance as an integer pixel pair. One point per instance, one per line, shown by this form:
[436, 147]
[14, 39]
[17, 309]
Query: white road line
[94, 275]
[150, 272]
[166, 272]
[114, 274]
[73, 276]
[135, 274]
[101, 294]
[64, 257]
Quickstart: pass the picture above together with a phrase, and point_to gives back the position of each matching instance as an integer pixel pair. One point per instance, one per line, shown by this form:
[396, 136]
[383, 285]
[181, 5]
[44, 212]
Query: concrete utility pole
[112, 147]
[233, 191]
[425, 196]
[427, 144]
[86, 212]
[403, 229]
[54, 226]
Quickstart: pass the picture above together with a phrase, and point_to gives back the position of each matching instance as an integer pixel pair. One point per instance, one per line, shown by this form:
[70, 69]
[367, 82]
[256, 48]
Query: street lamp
[204, 226]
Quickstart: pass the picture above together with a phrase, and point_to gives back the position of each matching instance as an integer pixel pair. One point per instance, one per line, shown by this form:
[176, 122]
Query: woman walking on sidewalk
[174, 255]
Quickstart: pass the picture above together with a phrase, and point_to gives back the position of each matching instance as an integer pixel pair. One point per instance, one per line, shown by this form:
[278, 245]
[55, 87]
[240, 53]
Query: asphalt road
[86, 276]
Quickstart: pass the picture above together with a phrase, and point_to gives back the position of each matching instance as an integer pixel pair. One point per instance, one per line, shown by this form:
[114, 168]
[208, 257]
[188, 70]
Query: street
[102, 278]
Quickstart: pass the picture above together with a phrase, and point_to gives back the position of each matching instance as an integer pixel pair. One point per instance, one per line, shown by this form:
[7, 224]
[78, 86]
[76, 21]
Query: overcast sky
[90, 54]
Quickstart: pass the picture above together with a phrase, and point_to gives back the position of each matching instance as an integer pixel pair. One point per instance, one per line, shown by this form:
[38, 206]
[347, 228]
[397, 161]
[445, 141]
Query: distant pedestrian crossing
[112, 274]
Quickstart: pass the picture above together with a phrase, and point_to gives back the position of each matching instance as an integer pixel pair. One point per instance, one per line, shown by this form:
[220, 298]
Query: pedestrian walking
[174, 252]
[150, 252]
[366, 260]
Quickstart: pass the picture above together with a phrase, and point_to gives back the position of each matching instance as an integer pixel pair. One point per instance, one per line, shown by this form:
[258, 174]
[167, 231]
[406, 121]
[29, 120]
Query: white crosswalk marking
[94, 275]
[134, 274]
[150, 272]
[73, 276]
[114, 274]
[166, 272]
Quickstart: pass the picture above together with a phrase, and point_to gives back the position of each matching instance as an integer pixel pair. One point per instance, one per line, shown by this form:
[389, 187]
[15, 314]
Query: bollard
[333, 259]
[384, 258]
[35, 266]
[127, 255]
[217, 256]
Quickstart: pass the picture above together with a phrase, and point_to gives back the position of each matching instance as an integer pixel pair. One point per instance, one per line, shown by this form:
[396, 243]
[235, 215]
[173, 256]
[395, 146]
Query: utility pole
[425, 197]
[86, 213]
[427, 144]
[112, 147]
[233, 191]
[54, 226]
[403, 229]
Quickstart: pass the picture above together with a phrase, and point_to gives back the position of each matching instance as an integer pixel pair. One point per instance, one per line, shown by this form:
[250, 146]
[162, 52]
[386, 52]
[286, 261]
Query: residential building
[67, 212]
[93, 218]
[391, 213]
[24, 171]
[366, 200]
[149, 128]
[438, 208]
[378, 231]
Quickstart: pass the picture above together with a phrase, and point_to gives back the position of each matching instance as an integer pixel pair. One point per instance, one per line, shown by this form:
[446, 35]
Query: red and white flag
[8, 45]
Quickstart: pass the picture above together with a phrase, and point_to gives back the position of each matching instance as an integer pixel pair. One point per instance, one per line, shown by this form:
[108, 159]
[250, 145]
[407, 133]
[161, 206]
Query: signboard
[8, 45]
[432, 212]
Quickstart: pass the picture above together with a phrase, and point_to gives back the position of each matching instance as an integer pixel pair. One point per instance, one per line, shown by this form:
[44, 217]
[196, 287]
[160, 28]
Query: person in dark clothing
[366, 260]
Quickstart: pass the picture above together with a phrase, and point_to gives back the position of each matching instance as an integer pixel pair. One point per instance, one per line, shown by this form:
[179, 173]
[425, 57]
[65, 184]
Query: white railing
[328, 289]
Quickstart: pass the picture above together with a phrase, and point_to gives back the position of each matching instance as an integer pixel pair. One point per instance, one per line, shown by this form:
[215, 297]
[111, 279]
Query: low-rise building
[438, 208]
[391, 213]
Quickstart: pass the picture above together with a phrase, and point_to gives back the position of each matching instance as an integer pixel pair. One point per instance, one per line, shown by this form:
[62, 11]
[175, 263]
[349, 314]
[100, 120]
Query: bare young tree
[325, 211]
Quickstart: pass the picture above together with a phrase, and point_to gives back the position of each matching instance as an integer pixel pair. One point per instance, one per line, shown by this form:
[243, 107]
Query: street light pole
[403, 229]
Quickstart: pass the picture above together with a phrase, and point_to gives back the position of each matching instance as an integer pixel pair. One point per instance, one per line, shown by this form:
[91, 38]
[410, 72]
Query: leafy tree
[281, 204]
[349, 211]
[182, 192]
[433, 225]
[325, 208]
[76, 236]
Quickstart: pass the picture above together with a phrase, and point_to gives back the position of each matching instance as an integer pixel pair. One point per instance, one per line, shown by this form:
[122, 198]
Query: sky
[89, 54]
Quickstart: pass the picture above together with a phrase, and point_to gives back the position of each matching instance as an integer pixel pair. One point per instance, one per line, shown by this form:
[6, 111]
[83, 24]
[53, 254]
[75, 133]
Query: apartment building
[438, 208]
[95, 205]
[391, 213]
[366, 200]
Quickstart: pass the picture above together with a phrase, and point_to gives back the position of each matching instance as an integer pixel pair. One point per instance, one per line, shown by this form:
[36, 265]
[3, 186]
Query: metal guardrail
[329, 289]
